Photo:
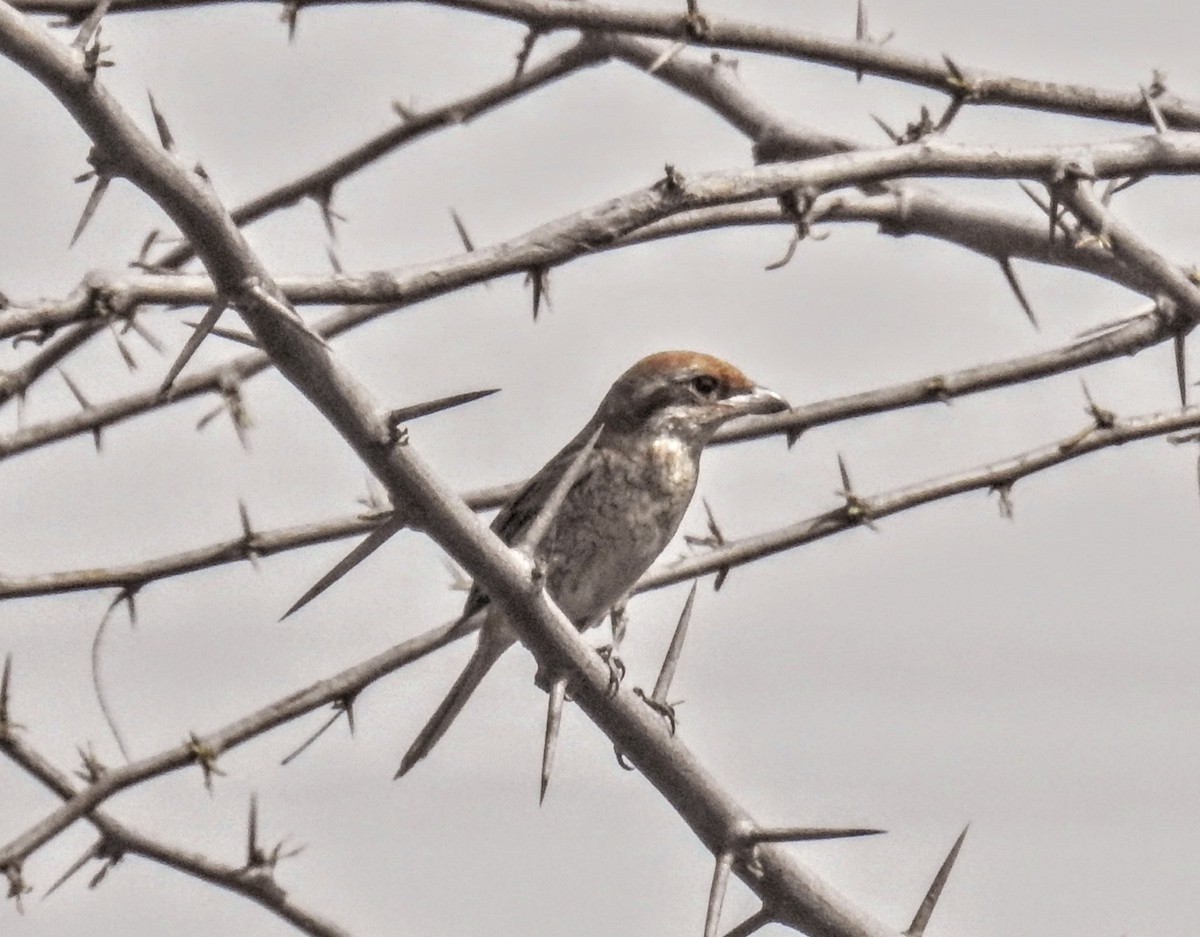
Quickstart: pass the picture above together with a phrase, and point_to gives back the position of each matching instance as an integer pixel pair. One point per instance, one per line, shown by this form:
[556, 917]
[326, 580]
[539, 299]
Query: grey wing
[516, 516]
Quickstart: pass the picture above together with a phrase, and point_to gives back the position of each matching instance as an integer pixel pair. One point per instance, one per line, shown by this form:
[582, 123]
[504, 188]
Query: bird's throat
[675, 463]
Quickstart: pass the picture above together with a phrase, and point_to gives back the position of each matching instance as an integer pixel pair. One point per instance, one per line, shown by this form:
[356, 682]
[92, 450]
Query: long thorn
[160, 124]
[295, 753]
[122, 348]
[89, 209]
[1127, 183]
[554, 708]
[525, 52]
[248, 545]
[5, 683]
[253, 853]
[753, 923]
[76, 392]
[669, 53]
[861, 33]
[1156, 116]
[806, 834]
[716, 894]
[539, 277]
[89, 854]
[189, 348]
[1181, 367]
[1049, 208]
[462, 231]
[845, 473]
[232, 335]
[917, 927]
[1015, 285]
[133, 322]
[663, 685]
[404, 414]
[895, 137]
[368, 545]
[1054, 214]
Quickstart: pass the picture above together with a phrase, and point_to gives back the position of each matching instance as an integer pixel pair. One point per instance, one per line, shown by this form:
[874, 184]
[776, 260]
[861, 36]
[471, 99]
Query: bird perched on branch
[630, 493]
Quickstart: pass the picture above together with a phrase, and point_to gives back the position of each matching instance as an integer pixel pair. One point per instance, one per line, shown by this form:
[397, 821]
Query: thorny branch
[797, 160]
[118, 839]
[607, 224]
[998, 234]
[613, 222]
[979, 86]
[998, 476]
[306, 361]
[96, 300]
[1138, 332]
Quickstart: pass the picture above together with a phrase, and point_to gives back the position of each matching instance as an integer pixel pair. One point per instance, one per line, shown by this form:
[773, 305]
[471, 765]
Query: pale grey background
[1036, 678]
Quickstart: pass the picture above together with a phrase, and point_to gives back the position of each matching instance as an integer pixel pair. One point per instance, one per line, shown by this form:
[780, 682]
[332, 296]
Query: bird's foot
[663, 708]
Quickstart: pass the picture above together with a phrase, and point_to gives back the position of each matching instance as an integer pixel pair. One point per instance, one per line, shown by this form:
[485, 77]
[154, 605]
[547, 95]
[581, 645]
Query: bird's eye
[705, 385]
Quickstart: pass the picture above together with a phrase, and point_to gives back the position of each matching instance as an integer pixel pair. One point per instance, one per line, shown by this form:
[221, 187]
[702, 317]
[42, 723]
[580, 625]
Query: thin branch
[118, 838]
[582, 55]
[989, 231]
[17, 381]
[608, 223]
[996, 476]
[984, 87]
[414, 127]
[595, 676]
[1133, 335]
[266, 543]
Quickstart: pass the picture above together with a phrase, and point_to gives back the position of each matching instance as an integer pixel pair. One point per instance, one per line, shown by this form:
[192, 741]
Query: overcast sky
[1036, 678]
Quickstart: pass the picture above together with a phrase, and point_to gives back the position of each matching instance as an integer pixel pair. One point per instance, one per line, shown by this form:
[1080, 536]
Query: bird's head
[684, 393]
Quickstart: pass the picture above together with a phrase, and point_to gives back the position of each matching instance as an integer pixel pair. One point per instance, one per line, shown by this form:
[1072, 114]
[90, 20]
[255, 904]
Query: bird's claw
[616, 669]
[663, 708]
[623, 761]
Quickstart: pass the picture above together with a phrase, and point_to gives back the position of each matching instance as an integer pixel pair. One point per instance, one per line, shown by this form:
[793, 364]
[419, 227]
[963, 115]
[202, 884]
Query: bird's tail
[487, 652]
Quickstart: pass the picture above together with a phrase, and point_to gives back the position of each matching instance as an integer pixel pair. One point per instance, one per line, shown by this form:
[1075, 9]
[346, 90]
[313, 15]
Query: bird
[627, 500]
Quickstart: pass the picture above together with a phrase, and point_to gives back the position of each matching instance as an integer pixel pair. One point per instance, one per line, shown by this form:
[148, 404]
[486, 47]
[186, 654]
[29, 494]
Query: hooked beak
[758, 400]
